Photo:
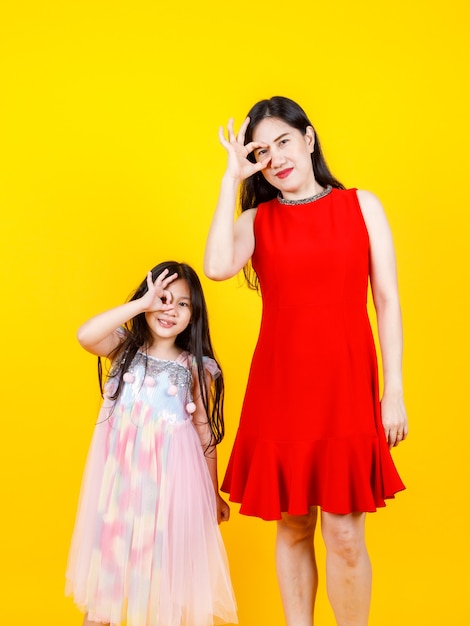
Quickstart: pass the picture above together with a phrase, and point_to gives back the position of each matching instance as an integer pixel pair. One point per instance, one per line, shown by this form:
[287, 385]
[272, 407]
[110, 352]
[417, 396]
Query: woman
[314, 434]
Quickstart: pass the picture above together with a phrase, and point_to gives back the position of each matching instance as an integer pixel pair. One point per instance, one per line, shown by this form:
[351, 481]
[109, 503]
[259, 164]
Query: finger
[224, 515]
[242, 131]
[169, 279]
[391, 438]
[162, 287]
[261, 165]
[161, 277]
[149, 281]
[252, 145]
[231, 132]
[222, 139]
[401, 436]
[167, 299]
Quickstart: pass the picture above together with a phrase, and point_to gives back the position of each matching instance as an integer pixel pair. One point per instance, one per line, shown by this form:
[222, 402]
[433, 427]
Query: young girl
[146, 548]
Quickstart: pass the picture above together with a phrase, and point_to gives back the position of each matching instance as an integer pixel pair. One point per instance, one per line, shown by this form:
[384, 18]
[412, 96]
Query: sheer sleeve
[210, 365]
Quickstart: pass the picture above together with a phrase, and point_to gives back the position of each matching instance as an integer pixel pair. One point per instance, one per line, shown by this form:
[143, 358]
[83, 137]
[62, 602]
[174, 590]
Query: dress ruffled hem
[339, 475]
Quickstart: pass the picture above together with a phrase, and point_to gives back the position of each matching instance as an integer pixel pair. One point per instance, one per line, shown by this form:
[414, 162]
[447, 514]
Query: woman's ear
[310, 138]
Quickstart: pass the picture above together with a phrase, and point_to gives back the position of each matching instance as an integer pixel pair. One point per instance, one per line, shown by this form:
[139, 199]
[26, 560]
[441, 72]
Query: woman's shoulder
[369, 203]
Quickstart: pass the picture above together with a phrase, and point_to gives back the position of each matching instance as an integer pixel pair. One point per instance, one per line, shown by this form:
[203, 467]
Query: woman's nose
[277, 158]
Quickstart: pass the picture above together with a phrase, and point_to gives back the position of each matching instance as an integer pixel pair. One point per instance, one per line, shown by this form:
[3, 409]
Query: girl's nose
[171, 310]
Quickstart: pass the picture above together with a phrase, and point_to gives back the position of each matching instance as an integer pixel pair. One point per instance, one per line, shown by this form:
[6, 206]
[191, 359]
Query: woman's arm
[383, 275]
[230, 245]
[100, 335]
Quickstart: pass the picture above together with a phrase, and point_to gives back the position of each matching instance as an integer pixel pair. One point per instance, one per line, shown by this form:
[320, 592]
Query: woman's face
[290, 164]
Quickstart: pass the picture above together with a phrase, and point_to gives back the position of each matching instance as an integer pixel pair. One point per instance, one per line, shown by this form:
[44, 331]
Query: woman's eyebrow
[275, 140]
[281, 137]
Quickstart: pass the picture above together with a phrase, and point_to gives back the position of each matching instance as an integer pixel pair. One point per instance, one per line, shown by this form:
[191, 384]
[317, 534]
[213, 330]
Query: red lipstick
[284, 173]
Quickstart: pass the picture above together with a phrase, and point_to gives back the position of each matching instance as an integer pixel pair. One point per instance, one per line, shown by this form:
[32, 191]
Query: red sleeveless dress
[310, 432]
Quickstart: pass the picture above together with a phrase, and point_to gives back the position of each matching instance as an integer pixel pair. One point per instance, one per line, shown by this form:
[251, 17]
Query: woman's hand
[223, 510]
[158, 298]
[239, 167]
[394, 419]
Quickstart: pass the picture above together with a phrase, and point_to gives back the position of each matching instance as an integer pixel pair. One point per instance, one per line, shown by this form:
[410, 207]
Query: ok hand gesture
[239, 167]
[158, 298]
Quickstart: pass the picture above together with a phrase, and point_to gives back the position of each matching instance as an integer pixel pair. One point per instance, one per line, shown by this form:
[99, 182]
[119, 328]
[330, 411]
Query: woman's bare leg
[348, 569]
[296, 567]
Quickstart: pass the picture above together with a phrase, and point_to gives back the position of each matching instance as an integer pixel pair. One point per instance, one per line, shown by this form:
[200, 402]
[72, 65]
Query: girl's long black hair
[256, 189]
[195, 339]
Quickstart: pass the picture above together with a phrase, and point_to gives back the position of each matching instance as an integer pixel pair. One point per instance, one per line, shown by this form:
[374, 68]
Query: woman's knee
[298, 527]
[344, 536]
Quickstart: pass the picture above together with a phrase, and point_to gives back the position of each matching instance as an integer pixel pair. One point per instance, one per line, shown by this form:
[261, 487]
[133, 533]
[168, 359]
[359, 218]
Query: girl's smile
[166, 323]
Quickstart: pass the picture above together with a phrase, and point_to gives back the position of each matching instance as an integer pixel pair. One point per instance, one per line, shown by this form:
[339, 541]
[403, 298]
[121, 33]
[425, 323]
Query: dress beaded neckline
[317, 196]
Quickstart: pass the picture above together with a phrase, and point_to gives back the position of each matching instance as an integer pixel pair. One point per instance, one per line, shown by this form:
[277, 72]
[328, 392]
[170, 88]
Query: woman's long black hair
[256, 189]
[195, 339]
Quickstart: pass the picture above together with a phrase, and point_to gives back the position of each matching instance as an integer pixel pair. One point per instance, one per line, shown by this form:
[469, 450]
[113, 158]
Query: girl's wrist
[139, 307]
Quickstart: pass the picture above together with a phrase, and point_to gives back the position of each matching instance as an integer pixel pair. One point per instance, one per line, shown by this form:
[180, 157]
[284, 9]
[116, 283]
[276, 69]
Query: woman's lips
[284, 173]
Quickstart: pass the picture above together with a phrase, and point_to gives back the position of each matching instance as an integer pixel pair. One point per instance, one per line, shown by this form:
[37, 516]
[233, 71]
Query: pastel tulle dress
[146, 548]
[310, 432]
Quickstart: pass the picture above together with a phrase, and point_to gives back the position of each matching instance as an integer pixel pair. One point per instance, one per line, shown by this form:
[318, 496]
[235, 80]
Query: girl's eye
[284, 141]
[261, 152]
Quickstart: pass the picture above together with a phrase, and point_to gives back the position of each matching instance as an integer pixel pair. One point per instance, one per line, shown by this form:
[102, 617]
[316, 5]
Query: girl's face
[290, 166]
[168, 324]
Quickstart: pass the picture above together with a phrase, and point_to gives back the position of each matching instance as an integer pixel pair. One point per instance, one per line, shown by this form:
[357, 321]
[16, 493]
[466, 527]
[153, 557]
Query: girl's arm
[201, 424]
[100, 334]
[383, 275]
[230, 245]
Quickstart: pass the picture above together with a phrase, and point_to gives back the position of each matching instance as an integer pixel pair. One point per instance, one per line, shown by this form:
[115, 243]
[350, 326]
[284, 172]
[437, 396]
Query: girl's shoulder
[189, 360]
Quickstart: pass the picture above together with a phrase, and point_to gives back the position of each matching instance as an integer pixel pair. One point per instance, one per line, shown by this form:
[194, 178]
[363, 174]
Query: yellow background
[111, 163]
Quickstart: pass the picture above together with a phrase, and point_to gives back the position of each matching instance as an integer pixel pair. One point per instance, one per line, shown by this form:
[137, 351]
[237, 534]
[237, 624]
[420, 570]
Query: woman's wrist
[395, 389]
[229, 182]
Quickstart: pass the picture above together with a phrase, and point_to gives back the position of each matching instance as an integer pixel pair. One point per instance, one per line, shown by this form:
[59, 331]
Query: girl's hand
[223, 510]
[239, 167]
[158, 298]
[394, 419]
